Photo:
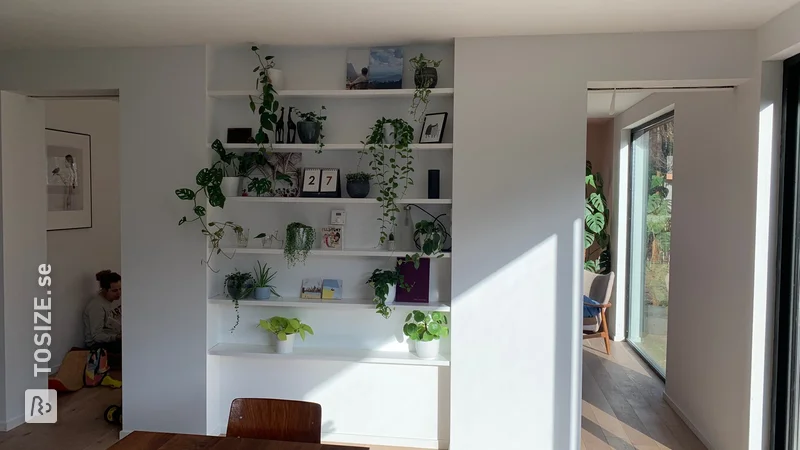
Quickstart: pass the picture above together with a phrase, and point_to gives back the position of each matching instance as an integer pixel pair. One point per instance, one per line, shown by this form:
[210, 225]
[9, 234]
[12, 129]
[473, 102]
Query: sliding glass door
[649, 245]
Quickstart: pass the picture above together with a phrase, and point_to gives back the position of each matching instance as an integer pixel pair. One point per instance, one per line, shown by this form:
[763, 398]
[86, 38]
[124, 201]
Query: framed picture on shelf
[331, 289]
[311, 288]
[332, 238]
[433, 128]
[69, 179]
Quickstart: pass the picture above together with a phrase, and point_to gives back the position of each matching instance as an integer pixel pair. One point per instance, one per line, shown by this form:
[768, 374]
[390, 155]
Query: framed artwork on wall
[433, 128]
[69, 179]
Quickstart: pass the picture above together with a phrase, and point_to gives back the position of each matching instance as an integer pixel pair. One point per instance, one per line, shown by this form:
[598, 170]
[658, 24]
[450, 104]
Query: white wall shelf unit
[340, 201]
[333, 253]
[333, 93]
[347, 303]
[328, 354]
[328, 147]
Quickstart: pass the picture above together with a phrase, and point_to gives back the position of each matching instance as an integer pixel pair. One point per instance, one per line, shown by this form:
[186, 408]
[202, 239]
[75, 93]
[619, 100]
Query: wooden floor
[622, 409]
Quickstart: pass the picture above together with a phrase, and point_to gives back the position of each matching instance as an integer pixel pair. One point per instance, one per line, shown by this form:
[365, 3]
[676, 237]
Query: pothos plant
[299, 240]
[596, 214]
[319, 119]
[381, 281]
[208, 181]
[266, 102]
[238, 285]
[391, 165]
[422, 92]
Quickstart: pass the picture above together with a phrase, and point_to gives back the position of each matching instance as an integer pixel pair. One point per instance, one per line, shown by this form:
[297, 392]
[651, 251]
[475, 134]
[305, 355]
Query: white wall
[532, 276]
[77, 255]
[24, 247]
[162, 146]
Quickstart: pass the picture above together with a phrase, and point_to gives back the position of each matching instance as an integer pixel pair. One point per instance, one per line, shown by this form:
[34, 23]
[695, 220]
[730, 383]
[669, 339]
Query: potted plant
[285, 330]
[391, 164]
[384, 283]
[309, 128]
[430, 236]
[426, 330]
[299, 241]
[228, 163]
[358, 184]
[267, 106]
[238, 285]
[262, 282]
[425, 79]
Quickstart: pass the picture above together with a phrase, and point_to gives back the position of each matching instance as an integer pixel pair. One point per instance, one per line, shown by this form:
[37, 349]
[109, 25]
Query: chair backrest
[280, 420]
[598, 287]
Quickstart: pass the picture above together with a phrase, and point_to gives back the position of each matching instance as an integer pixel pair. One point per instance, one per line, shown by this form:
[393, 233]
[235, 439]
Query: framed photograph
[69, 179]
[433, 128]
[385, 68]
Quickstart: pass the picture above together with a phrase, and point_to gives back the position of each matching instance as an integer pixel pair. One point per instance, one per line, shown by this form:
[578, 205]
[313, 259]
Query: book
[418, 279]
[332, 289]
[332, 238]
[311, 288]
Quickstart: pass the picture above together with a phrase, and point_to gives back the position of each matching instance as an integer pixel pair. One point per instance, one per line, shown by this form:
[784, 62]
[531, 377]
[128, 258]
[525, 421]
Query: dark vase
[427, 77]
[358, 189]
[308, 132]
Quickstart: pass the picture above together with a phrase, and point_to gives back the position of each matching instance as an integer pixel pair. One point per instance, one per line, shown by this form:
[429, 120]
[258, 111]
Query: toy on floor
[113, 414]
[81, 368]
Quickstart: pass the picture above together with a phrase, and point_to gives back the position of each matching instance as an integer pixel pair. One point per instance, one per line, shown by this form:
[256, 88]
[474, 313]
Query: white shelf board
[335, 253]
[334, 93]
[328, 147]
[347, 303]
[328, 354]
[339, 201]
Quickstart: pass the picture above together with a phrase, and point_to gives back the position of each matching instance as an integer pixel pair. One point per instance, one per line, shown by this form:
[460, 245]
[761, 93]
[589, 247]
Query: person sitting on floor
[102, 318]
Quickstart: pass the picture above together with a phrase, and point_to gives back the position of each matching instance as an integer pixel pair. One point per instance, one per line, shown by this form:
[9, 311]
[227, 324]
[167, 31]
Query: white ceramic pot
[286, 346]
[427, 350]
[388, 134]
[276, 77]
[230, 186]
[392, 294]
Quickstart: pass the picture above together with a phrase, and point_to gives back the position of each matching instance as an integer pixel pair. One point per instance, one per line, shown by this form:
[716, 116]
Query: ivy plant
[381, 281]
[318, 119]
[266, 102]
[596, 219]
[391, 165]
[421, 93]
[426, 327]
[296, 249]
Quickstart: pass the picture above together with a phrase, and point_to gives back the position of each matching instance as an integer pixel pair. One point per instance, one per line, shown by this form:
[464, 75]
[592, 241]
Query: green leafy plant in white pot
[285, 330]
[263, 278]
[384, 283]
[426, 330]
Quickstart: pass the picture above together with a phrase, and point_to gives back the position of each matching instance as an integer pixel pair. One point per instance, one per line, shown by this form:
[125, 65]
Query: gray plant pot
[358, 189]
[262, 293]
[426, 77]
[308, 132]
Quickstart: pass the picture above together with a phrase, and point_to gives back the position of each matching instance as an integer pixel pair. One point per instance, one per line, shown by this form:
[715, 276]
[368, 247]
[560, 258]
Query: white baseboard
[618, 338]
[686, 420]
[358, 439]
[13, 423]
[123, 433]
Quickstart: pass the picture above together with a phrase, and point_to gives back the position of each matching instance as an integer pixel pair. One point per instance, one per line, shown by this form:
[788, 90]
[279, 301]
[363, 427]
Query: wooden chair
[280, 420]
[598, 288]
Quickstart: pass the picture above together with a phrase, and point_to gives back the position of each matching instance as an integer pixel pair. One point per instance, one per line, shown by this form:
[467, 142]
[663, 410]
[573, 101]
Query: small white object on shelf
[334, 93]
[353, 253]
[341, 201]
[328, 354]
[347, 303]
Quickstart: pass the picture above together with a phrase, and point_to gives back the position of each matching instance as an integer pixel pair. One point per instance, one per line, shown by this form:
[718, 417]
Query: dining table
[147, 440]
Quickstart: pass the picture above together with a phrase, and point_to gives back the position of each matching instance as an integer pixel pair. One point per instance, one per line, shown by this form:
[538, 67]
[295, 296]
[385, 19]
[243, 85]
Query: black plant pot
[242, 290]
[308, 132]
[358, 189]
[427, 77]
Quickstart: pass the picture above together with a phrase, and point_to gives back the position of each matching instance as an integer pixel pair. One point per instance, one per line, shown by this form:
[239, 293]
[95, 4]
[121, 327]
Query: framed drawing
[69, 179]
[433, 128]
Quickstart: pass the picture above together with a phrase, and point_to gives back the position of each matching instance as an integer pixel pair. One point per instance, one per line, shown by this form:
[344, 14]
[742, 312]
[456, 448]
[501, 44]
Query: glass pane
[651, 216]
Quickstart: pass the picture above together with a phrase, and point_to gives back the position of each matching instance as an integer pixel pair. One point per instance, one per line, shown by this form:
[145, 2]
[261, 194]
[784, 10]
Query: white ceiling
[599, 104]
[84, 23]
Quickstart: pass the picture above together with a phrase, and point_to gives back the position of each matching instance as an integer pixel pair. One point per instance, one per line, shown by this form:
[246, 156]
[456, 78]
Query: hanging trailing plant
[265, 102]
[391, 164]
[209, 181]
[300, 239]
[425, 78]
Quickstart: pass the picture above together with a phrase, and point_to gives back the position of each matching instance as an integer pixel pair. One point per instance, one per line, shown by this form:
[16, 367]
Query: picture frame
[433, 128]
[68, 179]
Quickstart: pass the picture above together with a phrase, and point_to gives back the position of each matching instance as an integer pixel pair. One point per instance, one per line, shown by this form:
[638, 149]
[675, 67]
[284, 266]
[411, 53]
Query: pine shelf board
[339, 201]
[327, 354]
[333, 93]
[334, 253]
[328, 147]
[347, 303]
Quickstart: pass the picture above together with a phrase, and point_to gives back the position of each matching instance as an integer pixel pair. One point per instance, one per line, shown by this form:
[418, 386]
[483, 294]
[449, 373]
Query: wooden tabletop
[145, 440]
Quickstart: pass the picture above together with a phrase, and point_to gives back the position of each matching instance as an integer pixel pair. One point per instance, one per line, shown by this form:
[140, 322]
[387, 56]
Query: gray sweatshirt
[102, 321]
